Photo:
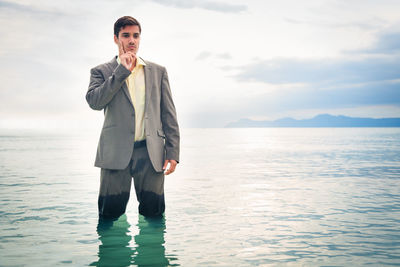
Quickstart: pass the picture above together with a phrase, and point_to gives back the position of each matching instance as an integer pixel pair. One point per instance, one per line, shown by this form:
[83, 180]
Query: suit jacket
[108, 91]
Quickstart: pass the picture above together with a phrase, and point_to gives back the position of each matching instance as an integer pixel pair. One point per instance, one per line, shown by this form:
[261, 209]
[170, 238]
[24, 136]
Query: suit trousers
[115, 186]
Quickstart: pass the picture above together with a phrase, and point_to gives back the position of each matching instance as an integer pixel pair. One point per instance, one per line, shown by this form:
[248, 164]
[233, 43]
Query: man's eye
[136, 35]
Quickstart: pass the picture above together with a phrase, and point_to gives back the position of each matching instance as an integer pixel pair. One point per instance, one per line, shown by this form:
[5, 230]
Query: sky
[226, 60]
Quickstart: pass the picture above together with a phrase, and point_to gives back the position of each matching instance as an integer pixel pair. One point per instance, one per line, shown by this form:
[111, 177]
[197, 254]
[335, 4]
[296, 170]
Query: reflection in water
[150, 248]
[115, 249]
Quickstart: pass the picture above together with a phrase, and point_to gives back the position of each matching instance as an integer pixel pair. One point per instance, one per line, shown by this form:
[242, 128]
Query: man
[140, 134]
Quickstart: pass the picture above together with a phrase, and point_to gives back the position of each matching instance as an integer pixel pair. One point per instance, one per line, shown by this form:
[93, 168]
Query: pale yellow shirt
[136, 87]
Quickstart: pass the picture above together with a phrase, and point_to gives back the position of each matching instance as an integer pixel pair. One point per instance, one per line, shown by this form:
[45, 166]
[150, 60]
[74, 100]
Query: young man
[140, 135]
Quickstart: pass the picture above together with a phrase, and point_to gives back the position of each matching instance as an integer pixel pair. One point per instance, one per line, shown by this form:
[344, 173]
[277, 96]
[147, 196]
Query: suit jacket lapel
[148, 85]
[126, 91]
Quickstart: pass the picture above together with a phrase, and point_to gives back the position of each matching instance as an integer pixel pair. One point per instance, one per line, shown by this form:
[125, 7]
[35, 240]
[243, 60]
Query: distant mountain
[322, 120]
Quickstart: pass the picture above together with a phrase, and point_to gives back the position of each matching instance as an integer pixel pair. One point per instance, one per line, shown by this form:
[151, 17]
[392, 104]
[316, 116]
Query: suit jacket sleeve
[169, 120]
[102, 89]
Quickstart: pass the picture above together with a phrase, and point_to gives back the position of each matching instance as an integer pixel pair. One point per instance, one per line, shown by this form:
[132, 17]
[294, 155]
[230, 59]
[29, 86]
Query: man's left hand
[172, 166]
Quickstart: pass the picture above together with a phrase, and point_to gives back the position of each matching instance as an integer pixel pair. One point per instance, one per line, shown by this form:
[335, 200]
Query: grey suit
[118, 156]
[108, 91]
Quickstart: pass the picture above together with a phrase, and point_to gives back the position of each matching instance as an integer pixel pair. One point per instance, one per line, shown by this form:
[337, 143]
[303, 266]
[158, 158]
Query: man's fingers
[120, 48]
[131, 60]
[171, 169]
[131, 55]
[123, 48]
[172, 166]
[165, 165]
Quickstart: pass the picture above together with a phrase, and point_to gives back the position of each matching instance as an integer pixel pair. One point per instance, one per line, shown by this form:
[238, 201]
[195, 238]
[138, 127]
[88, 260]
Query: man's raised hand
[128, 59]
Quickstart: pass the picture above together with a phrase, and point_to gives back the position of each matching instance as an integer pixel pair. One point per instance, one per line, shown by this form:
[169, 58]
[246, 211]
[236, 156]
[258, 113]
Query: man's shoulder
[109, 65]
[153, 65]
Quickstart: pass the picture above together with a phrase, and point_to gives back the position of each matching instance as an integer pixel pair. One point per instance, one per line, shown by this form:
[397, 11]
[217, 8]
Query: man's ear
[115, 39]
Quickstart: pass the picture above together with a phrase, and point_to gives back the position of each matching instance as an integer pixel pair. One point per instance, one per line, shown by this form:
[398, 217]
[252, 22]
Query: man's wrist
[121, 72]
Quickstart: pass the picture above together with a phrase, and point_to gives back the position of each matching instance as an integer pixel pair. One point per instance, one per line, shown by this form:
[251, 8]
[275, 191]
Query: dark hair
[125, 21]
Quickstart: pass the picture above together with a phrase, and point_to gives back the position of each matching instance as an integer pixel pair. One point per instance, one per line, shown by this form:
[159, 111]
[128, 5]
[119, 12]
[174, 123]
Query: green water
[147, 247]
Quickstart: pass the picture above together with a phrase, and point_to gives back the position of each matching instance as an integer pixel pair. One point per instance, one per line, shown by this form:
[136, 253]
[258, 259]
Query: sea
[239, 197]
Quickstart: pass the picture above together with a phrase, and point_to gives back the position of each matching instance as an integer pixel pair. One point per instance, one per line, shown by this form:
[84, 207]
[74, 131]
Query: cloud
[21, 8]
[224, 56]
[328, 72]
[325, 83]
[382, 93]
[203, 55]
[207, 54]
[15, 6]
[208, 5]
[386, 43]
[293, 101]
[332, 72]
[369, 77]
[372, 24]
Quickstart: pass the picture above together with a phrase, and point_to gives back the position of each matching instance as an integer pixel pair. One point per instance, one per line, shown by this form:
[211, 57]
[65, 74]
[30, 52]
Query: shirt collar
[139, 62]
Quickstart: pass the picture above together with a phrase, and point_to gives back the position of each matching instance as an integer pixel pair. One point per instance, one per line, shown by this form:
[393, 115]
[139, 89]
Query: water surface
[240, 197]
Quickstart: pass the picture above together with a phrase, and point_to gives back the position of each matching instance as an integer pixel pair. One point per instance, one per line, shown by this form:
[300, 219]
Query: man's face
[129, 37]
